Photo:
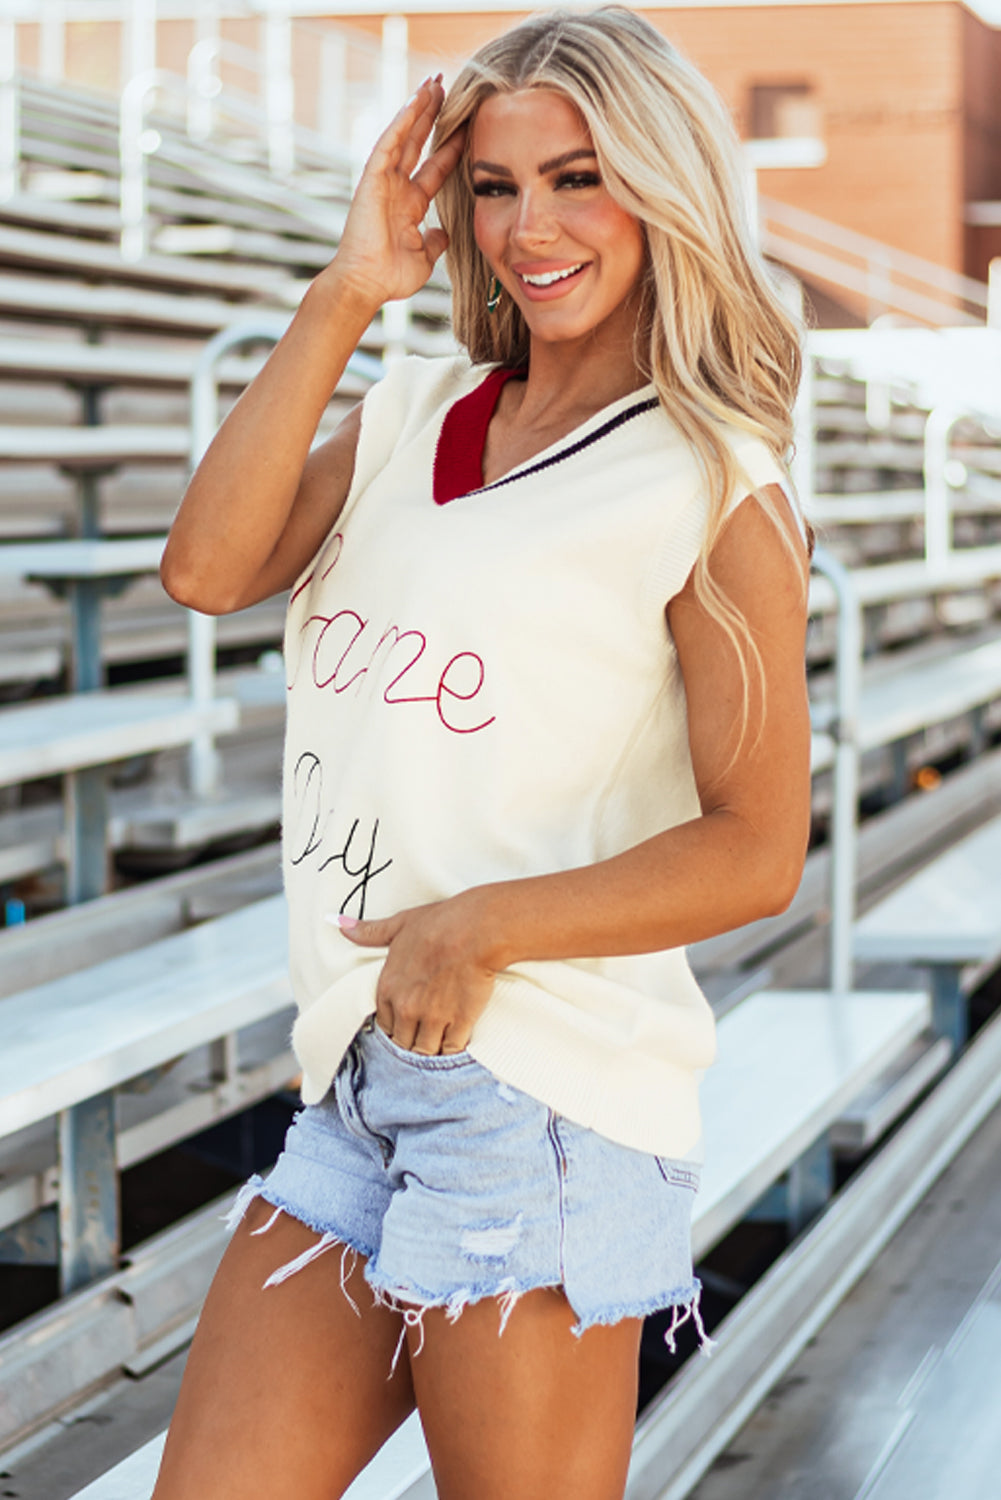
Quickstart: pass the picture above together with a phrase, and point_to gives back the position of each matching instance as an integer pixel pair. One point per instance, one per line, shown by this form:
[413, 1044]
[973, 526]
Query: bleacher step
[880, 1105]
[395, 1471]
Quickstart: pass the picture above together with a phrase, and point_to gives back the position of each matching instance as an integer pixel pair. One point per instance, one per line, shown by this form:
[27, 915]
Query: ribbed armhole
[682, 541]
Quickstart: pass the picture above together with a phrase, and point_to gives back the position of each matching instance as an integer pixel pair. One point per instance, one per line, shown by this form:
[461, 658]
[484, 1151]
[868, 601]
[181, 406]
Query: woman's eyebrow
[552, 165]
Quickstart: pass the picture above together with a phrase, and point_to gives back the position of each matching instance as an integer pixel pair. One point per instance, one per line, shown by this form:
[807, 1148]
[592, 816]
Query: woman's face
[561, 246]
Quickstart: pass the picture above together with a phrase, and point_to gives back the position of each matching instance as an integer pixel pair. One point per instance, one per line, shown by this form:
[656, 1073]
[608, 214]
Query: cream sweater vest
[487, 690]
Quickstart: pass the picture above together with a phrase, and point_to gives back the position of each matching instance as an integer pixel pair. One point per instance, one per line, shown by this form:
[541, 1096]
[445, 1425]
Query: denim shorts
[455, 1186]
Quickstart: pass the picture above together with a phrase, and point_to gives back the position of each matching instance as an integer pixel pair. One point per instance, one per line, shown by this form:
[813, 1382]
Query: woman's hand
[383, 253]
[436, 980]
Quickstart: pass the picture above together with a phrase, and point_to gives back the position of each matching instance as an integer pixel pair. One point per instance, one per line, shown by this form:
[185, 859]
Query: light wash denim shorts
[455, 1186]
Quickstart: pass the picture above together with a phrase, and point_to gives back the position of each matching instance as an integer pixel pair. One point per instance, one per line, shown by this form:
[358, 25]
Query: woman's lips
[555, 289]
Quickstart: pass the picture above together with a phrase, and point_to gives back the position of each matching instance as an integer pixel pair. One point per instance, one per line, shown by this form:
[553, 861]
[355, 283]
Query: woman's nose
[535, 223]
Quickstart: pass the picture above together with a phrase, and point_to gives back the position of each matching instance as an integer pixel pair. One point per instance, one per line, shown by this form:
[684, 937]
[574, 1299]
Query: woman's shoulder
[414, 393]
[757, 461]
[416, 386]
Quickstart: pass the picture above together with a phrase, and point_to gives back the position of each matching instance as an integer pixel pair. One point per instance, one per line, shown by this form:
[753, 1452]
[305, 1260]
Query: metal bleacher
[170, 1000]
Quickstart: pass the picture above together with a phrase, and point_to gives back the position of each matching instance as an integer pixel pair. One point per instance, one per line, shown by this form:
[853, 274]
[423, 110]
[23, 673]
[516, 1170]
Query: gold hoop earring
[493, 295]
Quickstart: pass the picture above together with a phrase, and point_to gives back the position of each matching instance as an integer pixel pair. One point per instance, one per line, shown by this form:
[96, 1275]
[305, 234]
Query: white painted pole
[844, 813]
[279, 102]
[140, 39]
[52, 42]
[204, 84]
[203, 762]
[332, 115]
[938, 517]
[994, 293]
[10, 134]
[134, 143]
[394, 90]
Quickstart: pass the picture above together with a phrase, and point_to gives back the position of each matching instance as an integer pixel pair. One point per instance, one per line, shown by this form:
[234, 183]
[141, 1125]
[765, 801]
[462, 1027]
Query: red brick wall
[888, 79]
[982, 135]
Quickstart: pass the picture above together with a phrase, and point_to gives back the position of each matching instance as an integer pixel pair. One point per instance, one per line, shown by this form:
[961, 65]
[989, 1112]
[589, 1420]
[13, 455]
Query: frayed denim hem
[256, 1187]
[412, 1303]
[685, 1307]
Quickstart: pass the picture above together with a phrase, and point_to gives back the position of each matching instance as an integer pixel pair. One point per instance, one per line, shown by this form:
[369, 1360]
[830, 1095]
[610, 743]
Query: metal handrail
[133, 148]
[844, 731]
[901, 263]
[207, 99]
[203, 763]
[205, 84]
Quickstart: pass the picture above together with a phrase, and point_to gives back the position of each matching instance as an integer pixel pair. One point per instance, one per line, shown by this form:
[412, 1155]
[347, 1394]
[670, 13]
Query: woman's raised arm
[260, 504]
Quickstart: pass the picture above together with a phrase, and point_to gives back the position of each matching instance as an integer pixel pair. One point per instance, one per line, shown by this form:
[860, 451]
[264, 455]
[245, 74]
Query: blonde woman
[547, 724]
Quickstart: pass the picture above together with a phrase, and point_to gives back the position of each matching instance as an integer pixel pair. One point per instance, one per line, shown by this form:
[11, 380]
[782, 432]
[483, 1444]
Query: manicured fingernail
[346, 924]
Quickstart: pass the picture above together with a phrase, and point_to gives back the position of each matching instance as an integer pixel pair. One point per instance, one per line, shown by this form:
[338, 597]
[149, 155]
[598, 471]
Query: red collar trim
[458, 459]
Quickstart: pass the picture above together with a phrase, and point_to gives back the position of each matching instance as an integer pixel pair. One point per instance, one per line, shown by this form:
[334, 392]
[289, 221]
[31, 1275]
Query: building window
[781, 111]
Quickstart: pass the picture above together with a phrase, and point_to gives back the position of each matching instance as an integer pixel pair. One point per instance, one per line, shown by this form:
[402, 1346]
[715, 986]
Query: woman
[547, 724]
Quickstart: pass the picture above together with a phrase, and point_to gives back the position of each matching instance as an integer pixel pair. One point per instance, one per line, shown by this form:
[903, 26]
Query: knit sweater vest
[486, 690]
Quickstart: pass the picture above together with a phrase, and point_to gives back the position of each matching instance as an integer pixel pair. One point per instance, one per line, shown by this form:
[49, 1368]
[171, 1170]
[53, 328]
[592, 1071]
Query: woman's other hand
[384, 254]
[436, 980]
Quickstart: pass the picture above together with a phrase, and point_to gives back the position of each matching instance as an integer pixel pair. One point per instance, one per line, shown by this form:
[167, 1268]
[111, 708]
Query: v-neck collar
[595, 427]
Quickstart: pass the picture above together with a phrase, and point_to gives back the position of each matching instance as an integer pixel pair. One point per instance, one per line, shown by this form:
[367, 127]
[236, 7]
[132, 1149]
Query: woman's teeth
[548, 277]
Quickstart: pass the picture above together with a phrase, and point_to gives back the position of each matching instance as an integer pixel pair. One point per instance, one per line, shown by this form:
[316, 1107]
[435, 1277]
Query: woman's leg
[285, 1395]
[535, 1413]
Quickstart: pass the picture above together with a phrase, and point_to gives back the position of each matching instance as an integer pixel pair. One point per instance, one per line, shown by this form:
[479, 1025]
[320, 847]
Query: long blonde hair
[712, 333]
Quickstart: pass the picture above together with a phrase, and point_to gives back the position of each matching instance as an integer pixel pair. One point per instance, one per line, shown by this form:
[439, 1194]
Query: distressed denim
[454, 1186]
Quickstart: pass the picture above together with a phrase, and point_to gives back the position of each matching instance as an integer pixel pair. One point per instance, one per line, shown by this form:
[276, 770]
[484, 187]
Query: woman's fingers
[389, 148]
[429, 96]
[432, 173]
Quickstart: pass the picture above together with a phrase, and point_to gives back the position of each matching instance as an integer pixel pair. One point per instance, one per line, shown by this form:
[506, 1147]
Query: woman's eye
[579, 180]
[488, 189]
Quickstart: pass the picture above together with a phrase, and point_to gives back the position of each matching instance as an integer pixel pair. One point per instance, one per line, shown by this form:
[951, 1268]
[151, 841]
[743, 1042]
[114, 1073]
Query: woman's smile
[547, 283]
[557, 240]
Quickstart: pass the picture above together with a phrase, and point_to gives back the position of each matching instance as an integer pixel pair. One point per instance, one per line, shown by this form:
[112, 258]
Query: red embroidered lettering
[456, 684]
[328, 622]
[453, 692]
[417, 697]
[337, 542]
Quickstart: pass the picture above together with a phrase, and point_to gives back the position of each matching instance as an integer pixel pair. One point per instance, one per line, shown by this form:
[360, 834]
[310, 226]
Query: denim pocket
[421, 1059]
[678, 1173]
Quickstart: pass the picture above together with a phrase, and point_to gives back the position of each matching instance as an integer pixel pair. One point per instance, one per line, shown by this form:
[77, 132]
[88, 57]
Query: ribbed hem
[626, 1094]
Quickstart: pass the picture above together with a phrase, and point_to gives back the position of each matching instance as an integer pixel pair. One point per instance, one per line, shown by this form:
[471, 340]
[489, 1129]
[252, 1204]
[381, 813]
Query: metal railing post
[938, 510]
[332, 120]
[134, 145]
[52, 41]
[204, 84]
[844, 813]
[279, 102]
[203, 763]
[394, 89]
[994, 293]
[139, 49]
[10, 112]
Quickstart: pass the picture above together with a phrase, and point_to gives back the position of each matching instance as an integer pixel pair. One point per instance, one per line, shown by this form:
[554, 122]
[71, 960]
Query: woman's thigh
[285, 1394]
[538, 1413]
